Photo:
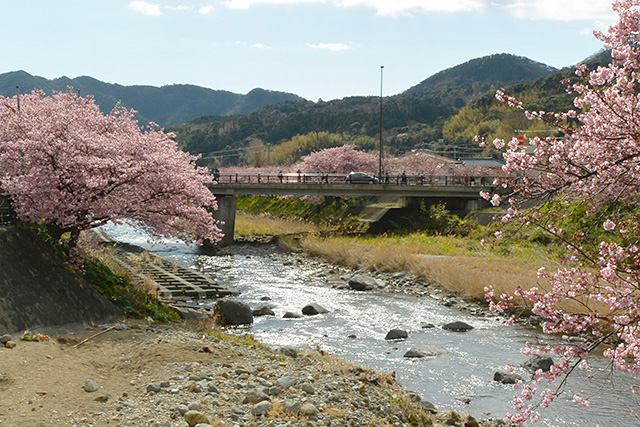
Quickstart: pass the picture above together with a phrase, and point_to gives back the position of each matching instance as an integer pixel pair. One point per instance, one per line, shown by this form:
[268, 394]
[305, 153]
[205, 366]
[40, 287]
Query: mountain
[418, 114]
[166, 105]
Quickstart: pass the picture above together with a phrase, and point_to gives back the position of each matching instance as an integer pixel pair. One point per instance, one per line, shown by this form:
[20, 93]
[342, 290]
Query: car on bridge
[361, 178]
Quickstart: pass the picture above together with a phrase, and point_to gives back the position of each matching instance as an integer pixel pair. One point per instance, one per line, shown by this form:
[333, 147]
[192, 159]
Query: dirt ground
[42, 383]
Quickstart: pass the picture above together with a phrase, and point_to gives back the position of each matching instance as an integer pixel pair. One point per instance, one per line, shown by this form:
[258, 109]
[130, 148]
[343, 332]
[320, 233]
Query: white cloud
[145, 8]
[259, 46]
[205, 10]
[405, 7]
[558, 10]
[246, 4]
[180, 7]
[334, 47]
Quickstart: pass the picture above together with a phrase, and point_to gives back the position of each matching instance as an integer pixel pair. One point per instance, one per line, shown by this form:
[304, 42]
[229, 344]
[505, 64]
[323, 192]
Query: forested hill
[417, 114]
[478, 75]
[166, 105]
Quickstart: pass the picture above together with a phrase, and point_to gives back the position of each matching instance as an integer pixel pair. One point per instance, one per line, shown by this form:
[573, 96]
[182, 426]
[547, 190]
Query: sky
[327, 49]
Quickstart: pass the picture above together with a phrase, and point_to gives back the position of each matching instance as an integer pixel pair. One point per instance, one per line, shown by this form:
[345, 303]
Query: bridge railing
[317, 178]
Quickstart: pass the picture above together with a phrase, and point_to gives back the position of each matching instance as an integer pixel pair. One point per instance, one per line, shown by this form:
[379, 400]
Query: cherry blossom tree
[339, 160]
[595, 168]
[65, 164]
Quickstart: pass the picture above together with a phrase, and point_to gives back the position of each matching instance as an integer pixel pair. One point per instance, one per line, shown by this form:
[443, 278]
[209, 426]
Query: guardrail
[317, 178]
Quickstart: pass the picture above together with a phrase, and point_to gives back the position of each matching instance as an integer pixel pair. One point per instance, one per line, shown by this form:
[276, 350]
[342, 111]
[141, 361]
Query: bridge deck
[434, 186]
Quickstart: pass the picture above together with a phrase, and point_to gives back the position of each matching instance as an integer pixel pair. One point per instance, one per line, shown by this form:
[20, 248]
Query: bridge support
[226, 214]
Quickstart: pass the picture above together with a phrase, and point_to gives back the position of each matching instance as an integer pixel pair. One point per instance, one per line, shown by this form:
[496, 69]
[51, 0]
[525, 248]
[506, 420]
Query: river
[461, 379]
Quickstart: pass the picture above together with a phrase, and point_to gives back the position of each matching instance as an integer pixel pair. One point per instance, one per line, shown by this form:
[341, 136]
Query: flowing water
[460, 379]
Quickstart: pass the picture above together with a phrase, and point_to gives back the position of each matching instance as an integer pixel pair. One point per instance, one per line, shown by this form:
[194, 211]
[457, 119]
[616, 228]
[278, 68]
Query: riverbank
[140, 374]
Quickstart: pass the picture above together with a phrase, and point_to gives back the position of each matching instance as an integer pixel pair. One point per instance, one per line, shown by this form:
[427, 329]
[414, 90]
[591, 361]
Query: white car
[361, 178]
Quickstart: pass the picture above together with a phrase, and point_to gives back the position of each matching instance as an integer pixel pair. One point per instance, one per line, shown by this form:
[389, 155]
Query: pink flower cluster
[68, 165]
[594, 164]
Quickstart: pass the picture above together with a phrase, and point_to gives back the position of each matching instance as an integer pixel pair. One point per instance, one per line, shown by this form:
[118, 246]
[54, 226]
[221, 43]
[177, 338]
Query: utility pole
[381, 149]
[18, 97]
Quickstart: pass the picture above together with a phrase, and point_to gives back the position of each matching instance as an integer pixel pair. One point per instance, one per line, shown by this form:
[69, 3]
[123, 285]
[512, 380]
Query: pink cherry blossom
[592, 165]
[66, 164]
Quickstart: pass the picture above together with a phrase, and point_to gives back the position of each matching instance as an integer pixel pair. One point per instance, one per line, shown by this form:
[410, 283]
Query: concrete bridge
[459, 193]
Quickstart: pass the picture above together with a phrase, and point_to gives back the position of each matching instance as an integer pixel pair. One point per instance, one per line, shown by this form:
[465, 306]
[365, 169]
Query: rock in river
[538, 361]
[506, 378]
[457, 327]
[396, 334]
[230, 312]
[426, 351]
[361, 282]
[313, 309]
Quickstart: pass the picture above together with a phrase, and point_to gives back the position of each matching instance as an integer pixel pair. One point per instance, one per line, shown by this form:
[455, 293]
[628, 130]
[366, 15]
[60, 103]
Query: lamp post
[381, 150]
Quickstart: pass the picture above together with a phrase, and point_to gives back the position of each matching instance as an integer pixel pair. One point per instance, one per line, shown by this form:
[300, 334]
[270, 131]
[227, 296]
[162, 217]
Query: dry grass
[263, 225]
[464, 270]
[455, 264]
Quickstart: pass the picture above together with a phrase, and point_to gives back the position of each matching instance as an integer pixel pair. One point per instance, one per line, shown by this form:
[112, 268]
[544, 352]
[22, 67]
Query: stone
[165, 384]
[288, 351]
[457, 327]
[273, 391]
[10, 344]
[307, 388]
[286, 382]
[426, 351]
[211, 388]
[313, 309]
[308, 409]
[396, 334]
[188, 313]
[5, 338]
[506, 377]
[263, 310]
[291, 315]
[193, 387]
[255, 396]
[195, 417]
[261, 408]
[90, 386]
[194, 406]
[153, 388]
[361, 282]
[103, 398]
[229, 312]
[181, 409]
[538, 361]
[291, 406]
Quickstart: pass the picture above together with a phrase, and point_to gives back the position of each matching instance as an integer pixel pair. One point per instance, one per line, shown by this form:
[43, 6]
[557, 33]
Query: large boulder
[457, 327]
[506, 377]
[396, 334]
[538, 361]
[263, 310]
[426, 351]
[313, 309]
[229, 312]
[361, 282]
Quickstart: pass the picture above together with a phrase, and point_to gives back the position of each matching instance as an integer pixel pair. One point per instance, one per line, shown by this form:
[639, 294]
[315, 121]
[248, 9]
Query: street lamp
[380, 159]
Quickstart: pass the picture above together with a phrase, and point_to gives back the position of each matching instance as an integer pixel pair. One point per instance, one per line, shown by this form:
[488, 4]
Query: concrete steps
[173, 281]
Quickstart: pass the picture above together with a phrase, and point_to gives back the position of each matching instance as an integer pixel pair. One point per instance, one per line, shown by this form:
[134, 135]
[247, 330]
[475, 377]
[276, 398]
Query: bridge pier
[226, 214]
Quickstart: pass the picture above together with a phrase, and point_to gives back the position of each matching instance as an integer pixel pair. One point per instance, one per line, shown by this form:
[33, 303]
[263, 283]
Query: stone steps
[173, 281]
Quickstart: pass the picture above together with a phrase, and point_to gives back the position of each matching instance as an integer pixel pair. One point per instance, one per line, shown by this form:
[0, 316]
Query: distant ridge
[503, 67]
[166, 105]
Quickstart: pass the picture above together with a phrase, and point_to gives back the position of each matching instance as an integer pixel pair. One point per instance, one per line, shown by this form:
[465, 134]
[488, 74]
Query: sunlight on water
[461, 379]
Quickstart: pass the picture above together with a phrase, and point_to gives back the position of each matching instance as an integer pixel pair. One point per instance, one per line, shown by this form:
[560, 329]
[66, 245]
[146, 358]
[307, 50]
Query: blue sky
[315, 48]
